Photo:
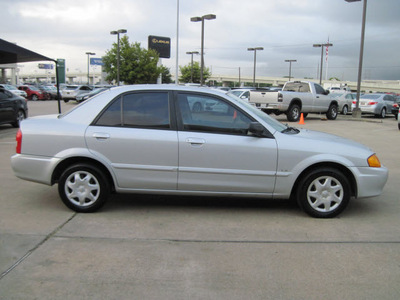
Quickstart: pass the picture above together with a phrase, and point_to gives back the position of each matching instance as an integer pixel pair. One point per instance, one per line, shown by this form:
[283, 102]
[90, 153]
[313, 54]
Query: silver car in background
[377, 104]
[149, 139]
[70, 92]
[13, 90]
[345, 100]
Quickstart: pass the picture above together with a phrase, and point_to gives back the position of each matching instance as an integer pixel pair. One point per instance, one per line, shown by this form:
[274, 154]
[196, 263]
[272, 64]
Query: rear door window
[139, 110]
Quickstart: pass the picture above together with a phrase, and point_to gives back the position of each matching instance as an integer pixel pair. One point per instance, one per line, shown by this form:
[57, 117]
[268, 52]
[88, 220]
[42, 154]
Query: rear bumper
[34, 168]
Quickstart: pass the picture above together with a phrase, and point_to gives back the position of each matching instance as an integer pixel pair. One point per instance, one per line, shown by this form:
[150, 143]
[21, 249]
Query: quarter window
[208, 114]
[141, 110]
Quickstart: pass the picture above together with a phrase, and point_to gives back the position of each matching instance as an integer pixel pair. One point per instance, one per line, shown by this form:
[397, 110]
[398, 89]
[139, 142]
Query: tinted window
[319, 89]
[208, 114]
[143, 110]
[5, 94]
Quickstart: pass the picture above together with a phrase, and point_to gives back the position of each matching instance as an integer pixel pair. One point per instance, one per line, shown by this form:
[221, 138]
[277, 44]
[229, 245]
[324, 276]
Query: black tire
[293, 113]
[19, 118]
[382, 115]
[323, 193]
[332, 112]
[34, 98]
[66, 100]
[345, 110]
[83, 188]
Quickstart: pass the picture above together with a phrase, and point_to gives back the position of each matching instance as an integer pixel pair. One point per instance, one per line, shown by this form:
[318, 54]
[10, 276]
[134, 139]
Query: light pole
[88, 60]
[117, 32]
[357, 111]
[191, 73]
[322, 55]
[201, 19]
[255, 59]
[290, 66]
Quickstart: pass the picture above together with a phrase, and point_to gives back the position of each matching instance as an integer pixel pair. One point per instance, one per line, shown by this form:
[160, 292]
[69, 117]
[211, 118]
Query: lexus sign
[161, 44]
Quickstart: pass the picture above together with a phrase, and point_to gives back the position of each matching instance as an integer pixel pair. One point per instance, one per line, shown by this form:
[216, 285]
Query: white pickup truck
[295, 98]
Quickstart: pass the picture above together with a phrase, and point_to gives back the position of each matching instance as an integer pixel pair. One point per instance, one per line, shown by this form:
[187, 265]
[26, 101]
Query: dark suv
[13, 108]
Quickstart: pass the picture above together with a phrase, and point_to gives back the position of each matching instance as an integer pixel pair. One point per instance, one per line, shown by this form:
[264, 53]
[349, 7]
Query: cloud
[286, 29]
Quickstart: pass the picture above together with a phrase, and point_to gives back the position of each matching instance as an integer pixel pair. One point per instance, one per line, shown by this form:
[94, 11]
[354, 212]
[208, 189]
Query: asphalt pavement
[162, 247]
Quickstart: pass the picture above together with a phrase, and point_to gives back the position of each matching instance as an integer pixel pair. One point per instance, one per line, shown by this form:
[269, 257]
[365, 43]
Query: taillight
[19, 141]
[354, 102]
[280, 97]
[395, 105]
[372, 102]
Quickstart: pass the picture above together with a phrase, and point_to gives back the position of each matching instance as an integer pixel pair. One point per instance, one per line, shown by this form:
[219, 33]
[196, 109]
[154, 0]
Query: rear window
[301, 87]
[370, 96]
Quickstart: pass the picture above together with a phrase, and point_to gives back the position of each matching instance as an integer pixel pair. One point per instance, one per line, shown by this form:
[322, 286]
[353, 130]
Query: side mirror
[327, 92]
[257, 129]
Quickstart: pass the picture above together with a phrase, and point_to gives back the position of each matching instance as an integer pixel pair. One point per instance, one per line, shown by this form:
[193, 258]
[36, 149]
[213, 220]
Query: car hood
[328, 138]
[322, 147]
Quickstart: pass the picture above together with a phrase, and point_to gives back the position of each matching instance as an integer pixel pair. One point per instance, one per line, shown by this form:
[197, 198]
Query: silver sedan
[148, 139]
[376, 104]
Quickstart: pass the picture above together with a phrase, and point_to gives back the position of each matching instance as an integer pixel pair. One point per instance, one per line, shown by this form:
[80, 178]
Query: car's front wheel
[324, 193]
[35, 97]
[83, 188]
[332, 112]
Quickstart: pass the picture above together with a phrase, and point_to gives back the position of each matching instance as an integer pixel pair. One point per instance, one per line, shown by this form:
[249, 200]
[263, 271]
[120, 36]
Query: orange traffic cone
[301, 119]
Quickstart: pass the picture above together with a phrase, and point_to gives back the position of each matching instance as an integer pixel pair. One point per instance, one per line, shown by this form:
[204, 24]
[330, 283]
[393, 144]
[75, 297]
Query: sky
[286, 29]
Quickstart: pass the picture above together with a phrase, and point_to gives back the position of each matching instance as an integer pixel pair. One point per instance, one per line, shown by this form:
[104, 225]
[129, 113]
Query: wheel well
[346, 172]
[296, 101]
[335, 102]
[73, 160]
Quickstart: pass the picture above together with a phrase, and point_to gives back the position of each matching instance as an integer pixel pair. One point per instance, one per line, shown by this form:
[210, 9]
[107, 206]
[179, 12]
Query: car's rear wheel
[382, 115]
[345, 110]
[323, 193]
[83, 188]
[293, 113]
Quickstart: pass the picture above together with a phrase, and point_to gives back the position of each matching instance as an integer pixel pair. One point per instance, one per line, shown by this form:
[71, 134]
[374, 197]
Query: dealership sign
[161, 44]
[96, 61]
[46, 66]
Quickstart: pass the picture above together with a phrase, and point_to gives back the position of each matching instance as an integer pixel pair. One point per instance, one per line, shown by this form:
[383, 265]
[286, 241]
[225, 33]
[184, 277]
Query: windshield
[262, 115]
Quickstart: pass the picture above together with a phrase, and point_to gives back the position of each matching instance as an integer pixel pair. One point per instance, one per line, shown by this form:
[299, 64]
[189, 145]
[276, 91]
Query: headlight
[373, 161]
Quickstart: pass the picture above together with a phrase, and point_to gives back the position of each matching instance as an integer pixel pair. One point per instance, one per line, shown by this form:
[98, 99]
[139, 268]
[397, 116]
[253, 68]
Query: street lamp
[290, 66]
[357, 111]
[117, 32]
[322, 55]
[255, 55]
[88, 55]
[201, 19]
[191, 73]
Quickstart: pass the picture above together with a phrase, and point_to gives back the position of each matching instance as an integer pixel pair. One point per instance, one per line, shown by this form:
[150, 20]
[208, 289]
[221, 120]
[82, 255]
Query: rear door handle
[195, 141]
[101, 136]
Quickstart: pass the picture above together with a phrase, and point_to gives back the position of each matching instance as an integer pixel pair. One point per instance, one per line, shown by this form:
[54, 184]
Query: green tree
[166, 75]
[186, 73]
[137, 65]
